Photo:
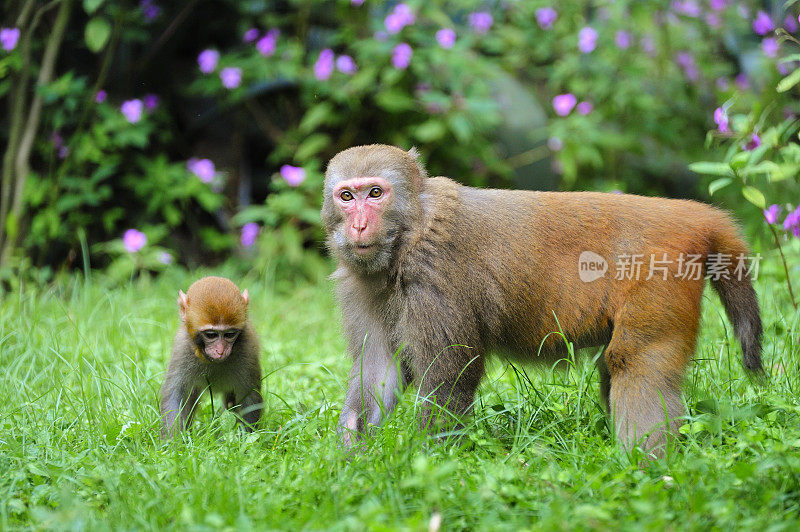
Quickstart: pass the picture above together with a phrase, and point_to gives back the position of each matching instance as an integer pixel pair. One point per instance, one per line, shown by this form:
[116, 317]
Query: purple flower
[587, 39]
[250, 35]
[480, 21]
[790, 24]
[755, 142]
[770, 46]
[207, 60]
[717, 5]
[623, 39]
[132, 109]
[584, 108]
[165, 258]
[231, 77]
[202, 168]
[134, 240]
[771, 213]
[150, 101]
[323, 68]
[446, 38]
[689, 8]
[713, 20]
[762, 24]
[648, 45]
[401, 56]
[546, 17]
[400, 17]
[742, 83]
[266, 45]
[249, 233]
[150, 11]
[9, 38]
[294, 175]
[722, 83]
[356, 2]
[101, 96]
[381, 36]
[555, 144]
[721, 119]
[346, 65]
[792, 220]
[687, 63]
[563, 103]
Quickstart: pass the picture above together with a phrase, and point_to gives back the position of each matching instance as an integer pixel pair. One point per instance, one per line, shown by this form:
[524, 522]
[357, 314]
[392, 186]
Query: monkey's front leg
[249, 409]
[374, 383]
[177, 408]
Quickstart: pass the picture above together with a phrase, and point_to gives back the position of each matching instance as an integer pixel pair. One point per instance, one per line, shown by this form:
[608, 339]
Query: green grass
[81, 365]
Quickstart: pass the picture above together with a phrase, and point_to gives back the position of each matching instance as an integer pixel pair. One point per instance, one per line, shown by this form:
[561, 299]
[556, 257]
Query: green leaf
[316, 116]
[429, 131]
[718, 184]
[311, 146]
[395, 100]
[97, 32]
[754, 196]
[739, 160]
[90, 6]
[703, 167]
[789, 81]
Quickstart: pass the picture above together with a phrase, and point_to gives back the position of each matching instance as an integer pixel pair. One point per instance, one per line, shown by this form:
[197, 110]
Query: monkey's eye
[210, 335]
[375, 192]
[231, 335]
[346, 195]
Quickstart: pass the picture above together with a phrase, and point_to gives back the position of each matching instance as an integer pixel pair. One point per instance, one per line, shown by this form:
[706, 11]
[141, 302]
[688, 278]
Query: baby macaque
[215, 346]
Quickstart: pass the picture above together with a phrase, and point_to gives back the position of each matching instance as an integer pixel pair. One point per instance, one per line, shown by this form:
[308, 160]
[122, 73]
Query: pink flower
[446, 37]
[755, 142]
[132, 109]
[555, 144]
[250, 35]
[294, 175]
[687, 63]
[762, 24]
[622, 39]
[356, 2]
[231, 77]
[770, 46]
[165, 258]
[150, 101]
[792, 220]
[266, 45]
[9, 38]
[323, 68]
[150, 11]
[249, 233]
[563, 103]
[584, 108]
[721, 119]
[202, 168]
[134, 240]
[207, 61]
[713, 20]
[546, 17]
[101, 96]
[689, 8]
[771, 213]
[722, 83]
[648, 45]
[346, 65]
[742, 83]
[587, 39]
[401, 56]
[481, 21]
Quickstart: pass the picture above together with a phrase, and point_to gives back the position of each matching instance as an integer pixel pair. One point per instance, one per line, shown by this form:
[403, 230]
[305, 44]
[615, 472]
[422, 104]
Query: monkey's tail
[736, 291]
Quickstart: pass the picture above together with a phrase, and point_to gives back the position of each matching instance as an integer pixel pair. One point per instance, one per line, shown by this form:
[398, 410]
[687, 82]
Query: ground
[81, 363]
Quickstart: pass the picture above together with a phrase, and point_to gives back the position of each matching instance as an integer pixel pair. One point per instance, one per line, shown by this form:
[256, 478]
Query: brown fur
[471, 271]
[211, 301]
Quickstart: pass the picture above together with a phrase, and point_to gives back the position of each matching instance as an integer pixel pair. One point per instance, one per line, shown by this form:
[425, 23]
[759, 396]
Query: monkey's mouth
[363, 249]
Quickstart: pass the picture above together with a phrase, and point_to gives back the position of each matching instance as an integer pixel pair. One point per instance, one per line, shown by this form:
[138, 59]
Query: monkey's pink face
[363, 201]
[217, 342]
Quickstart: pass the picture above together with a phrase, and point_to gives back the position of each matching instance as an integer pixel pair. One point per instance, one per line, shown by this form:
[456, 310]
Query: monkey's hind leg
[177, 413]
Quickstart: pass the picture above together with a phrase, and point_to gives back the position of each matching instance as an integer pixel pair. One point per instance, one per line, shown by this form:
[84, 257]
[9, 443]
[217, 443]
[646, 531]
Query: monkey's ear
[246, 297]
[183, 304]
[414, 154]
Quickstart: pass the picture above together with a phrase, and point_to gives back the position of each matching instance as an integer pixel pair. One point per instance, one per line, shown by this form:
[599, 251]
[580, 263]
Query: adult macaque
[215, 346]
[449, 273]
